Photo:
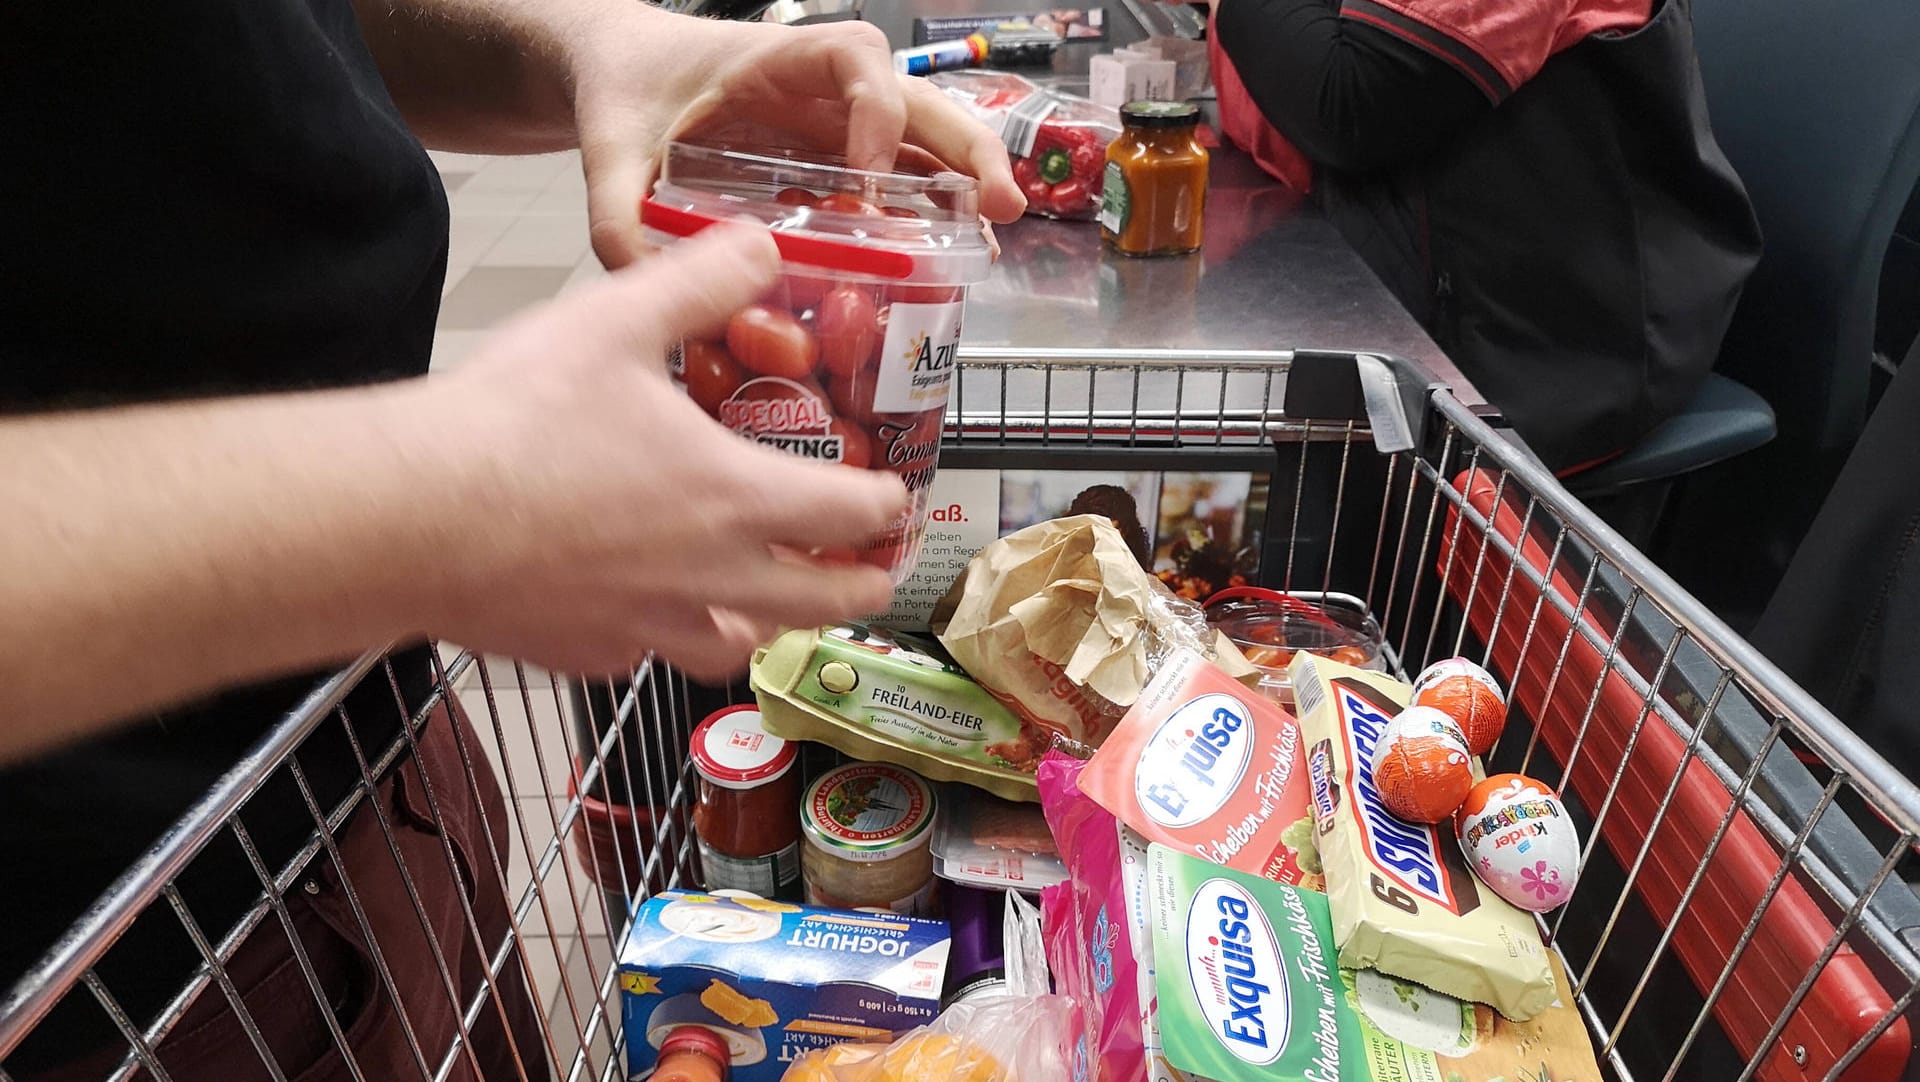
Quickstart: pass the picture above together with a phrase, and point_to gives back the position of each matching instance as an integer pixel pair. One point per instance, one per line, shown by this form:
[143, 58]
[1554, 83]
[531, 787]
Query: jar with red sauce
[849, 359]
[1154, 194]
[744, 821]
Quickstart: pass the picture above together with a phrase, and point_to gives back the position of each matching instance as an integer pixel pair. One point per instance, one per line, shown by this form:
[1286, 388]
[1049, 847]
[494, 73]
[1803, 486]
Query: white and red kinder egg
[1469, 695]
[1421, 766]
[1520, 841]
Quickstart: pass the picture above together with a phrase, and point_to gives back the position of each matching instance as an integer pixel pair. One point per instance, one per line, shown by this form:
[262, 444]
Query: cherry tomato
[805, 293]
[796, 197]
[711, 376]
[852, 394]
[926, 295]
[856, 447]
[848, 203]
[771, 342]
[1072, 196]
[885, 555]
[900, 212]
[846, 327]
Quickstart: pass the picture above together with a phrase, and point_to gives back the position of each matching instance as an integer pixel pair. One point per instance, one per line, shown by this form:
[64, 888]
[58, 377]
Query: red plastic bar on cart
[1845, 1000]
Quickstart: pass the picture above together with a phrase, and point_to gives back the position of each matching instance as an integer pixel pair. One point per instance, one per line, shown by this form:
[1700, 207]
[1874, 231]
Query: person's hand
[610, 516]
[645, 77]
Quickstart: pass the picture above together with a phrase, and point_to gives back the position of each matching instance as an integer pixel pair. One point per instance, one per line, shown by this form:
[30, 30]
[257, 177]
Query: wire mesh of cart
[1744, 906]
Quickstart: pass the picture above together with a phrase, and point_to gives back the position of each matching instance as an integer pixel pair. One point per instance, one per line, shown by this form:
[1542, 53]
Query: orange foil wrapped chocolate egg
[1469, 695]
[1421, 766]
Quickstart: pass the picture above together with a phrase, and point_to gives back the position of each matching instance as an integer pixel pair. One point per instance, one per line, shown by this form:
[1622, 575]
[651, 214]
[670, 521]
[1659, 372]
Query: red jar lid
[696, 1039]
[731, 750]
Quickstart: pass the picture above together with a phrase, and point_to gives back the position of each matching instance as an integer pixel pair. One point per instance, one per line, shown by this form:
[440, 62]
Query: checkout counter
[1272, 277]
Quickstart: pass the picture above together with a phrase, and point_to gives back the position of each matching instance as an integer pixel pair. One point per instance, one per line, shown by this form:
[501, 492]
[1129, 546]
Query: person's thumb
[687, 290]
[618, 176]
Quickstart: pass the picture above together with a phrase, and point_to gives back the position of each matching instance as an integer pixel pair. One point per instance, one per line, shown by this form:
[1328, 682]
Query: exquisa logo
[1194, 761]
[1238, 980]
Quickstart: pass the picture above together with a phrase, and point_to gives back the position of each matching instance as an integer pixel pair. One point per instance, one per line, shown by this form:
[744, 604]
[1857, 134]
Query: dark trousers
[387, 1039]
[1845, 619]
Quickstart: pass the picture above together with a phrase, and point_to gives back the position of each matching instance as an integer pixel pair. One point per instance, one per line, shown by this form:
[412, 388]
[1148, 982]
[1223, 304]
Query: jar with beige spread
[867, 826]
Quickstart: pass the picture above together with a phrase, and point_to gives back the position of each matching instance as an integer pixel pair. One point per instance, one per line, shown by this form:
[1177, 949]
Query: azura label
[917, 357]
[1194, 761]
[1407, 853]
[1238, 978]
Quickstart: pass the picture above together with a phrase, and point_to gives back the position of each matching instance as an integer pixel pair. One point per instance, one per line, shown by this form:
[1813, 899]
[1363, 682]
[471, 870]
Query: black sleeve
[1351, 96]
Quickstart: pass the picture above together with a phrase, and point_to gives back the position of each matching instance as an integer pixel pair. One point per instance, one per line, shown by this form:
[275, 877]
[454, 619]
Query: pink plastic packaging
[1085, 924]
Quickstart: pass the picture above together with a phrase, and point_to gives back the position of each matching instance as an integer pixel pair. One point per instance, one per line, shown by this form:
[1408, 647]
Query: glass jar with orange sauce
[1156, 182]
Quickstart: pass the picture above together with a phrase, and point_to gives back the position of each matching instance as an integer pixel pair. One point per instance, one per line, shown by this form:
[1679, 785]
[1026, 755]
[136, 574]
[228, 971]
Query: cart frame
[1734, 831]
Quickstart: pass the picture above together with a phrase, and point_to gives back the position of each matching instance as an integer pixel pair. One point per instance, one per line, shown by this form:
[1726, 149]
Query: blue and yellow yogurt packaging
[772, 979]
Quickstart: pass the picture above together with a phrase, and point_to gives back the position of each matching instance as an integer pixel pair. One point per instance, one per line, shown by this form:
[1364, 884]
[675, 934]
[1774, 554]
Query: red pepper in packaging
[1058, 142]
[1202, 765]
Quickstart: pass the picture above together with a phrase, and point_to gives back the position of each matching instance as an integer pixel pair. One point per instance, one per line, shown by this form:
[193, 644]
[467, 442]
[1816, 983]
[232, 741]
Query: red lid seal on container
[731, 750]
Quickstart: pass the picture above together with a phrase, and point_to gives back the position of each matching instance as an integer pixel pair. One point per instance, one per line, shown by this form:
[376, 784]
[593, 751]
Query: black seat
[1818, 107]
[1724, 419]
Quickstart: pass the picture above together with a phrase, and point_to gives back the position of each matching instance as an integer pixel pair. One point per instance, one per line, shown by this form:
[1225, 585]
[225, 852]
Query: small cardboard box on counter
[773, 979]
[1129, 75]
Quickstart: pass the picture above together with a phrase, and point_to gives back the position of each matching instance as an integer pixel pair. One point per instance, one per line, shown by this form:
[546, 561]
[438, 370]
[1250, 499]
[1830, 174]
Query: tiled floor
[523, 724]
[519, 237]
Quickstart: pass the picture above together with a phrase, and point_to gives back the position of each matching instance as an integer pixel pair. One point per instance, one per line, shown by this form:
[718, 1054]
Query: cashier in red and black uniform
[1536, 180]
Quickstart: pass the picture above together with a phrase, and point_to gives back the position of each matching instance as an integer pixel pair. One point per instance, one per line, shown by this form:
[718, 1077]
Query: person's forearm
[150, 555]
[485, 76]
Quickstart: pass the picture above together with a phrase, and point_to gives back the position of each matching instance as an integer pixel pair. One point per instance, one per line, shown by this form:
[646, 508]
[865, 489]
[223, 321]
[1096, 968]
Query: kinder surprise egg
[1421, 765]
[1469, 695]
[1520, 841]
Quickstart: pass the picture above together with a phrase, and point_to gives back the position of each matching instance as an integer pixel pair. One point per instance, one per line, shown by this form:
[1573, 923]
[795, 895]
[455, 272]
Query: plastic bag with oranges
[1018, 1037]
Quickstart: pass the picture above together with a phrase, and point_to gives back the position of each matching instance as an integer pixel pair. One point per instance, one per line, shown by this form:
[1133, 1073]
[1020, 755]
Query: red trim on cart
[1845, 1000]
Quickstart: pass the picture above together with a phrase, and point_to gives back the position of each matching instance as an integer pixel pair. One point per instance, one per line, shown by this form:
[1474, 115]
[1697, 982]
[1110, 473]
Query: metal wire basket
[1744, 904]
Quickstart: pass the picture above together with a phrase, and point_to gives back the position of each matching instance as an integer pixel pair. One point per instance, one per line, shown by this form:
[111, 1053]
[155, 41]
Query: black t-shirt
[203, 198]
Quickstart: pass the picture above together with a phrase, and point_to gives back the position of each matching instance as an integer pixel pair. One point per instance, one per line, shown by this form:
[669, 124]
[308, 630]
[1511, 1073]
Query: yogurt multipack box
[772, 979]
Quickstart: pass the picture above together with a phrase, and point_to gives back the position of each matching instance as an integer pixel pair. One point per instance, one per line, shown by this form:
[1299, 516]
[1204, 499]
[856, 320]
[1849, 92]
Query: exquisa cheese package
[1249, 989]
[774, 980]
[1249, 992]
[1404, 901]
[1203, 764]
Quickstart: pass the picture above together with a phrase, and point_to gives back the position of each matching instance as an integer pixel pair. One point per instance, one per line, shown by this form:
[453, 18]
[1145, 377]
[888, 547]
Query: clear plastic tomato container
[1270, 627]
[849, 359]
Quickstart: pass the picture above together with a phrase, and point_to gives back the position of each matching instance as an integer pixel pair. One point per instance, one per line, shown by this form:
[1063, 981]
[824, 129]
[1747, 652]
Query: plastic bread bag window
[1062, 622]
[1018, 1037]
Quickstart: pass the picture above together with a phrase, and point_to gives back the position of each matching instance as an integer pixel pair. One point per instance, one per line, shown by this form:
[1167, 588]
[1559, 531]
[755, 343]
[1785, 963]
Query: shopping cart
[1745, 904]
